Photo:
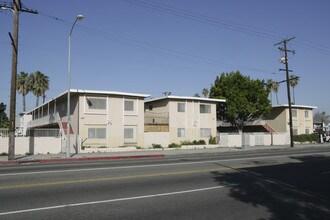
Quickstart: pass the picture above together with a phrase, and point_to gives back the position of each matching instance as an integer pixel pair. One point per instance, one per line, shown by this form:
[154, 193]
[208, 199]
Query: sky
[177, 46]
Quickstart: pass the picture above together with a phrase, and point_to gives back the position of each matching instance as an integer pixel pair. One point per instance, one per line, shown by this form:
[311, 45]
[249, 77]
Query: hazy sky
[151, 47]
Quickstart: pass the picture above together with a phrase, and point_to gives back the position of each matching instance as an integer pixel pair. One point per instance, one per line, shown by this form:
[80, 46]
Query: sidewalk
[144, 153]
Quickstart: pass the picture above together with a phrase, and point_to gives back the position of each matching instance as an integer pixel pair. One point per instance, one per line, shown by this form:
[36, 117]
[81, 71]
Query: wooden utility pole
[285, 50]
[16, 8]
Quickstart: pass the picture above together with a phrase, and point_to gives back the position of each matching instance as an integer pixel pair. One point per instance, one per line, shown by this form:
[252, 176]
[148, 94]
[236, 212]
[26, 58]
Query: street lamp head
[80, 17]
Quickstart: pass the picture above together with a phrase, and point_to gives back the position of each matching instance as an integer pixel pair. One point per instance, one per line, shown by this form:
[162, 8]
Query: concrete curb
[56, 160]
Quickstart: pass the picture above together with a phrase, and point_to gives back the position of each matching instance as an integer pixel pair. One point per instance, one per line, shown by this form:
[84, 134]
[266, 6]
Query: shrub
[156, 146]
[174, 145]
[306, 138]
[200, 142]
[186, 143]
[212, 140]
[4, 154]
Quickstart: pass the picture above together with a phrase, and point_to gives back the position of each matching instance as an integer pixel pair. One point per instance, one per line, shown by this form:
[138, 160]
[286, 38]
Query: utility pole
[16, 8]
[285, 50]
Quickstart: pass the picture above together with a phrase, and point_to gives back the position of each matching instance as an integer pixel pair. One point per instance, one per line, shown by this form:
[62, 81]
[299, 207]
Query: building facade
[98, 118]
[184, 118]
[302, 119]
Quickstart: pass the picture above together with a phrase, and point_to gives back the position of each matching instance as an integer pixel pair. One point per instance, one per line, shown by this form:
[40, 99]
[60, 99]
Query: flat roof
[98, 92]
[294, 106]
[185, 98]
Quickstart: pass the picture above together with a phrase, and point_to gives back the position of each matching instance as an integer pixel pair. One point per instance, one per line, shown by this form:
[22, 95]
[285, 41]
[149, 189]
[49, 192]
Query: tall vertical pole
[68, 105]
[288, 92]
[284, 42]
[68, 125]
[12, 109]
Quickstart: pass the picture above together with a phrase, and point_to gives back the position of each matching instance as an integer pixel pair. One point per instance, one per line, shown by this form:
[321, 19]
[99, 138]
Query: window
[205, 108]
[306, 114]
[295, 131]
[306, 131]
[129, 105]
[181, 132]
[96, 103]
[205, 132]
[130, 134]
[181, 107]
[97, 133]
[294, 113]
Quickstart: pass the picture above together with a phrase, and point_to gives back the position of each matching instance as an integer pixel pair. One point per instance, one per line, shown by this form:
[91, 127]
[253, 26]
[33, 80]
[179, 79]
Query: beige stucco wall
[278, 119]
[114, 119]
[192, 120]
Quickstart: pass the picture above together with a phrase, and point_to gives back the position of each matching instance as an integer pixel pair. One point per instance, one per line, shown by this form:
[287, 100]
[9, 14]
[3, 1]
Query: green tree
[39, 85]
[205, 92]
[4, 122]
[196, 95]
[293, 83]
[22, 85]
[246, 99]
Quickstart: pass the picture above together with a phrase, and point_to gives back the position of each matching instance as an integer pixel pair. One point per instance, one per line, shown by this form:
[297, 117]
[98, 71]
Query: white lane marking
[156, 165]
[114, 200]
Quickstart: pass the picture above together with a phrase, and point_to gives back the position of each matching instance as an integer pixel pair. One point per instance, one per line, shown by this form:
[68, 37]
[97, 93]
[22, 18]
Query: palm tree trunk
[294, 98]
[24, 103]
[37, 101]
[277, 98]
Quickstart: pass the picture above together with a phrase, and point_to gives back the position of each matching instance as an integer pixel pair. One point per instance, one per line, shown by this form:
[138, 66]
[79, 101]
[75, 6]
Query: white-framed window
[306, 114]
[295, 131]
[294, 113]
[205, 108]
[97, 133]
[96, 103]
[181, 132]
[129, 105]
[130, 134]
[181, 107]
[306, 131]
[205, 132]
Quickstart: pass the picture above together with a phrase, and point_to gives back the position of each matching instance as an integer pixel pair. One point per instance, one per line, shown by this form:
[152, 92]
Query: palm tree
[39, 85]
[293, 83]
[205, 92]
[273, 86]
[22, 86]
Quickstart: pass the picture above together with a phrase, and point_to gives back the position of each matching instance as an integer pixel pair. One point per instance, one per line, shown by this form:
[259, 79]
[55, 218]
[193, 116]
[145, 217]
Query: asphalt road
[250, 185]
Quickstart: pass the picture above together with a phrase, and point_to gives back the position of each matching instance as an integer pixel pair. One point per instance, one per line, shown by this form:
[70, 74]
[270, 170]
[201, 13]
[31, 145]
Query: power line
[205, 19]
[222, 23]
[155, 49]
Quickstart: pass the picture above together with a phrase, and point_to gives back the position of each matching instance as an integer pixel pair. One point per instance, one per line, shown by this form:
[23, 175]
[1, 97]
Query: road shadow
[297, 190]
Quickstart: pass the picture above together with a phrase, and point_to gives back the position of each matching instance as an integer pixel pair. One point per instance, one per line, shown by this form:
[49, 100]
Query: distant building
[302, 119]
[181, 119]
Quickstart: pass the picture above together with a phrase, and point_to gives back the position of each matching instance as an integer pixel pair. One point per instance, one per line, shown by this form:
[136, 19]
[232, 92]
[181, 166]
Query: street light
[78, 18]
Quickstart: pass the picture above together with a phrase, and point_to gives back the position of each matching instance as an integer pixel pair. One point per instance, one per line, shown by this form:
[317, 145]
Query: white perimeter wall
[162, 138]
[253, 139]
[33, 145]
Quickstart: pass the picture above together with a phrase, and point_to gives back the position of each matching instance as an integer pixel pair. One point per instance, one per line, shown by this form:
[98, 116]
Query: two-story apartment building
[184, 118]
[302, 119]
[98, 118]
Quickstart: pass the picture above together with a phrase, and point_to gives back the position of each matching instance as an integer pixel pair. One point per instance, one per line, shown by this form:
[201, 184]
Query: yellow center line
[118, 178]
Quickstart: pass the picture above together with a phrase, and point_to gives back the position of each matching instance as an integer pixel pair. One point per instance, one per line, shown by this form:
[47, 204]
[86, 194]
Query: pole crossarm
[10, 6]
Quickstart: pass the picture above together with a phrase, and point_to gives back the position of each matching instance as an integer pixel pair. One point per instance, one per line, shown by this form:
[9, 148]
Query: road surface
[248, 185]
